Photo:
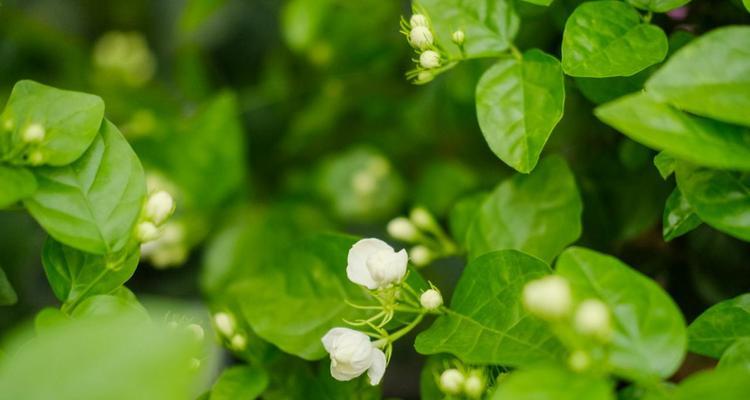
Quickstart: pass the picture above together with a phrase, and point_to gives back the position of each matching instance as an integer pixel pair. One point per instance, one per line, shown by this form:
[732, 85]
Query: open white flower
[352, 353]
[374, 264]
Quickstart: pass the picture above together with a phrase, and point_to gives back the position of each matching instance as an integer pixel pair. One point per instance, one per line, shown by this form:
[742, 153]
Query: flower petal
[377, 369]
[356, 269]
[340, 375]
[402, 259]
[334, 333]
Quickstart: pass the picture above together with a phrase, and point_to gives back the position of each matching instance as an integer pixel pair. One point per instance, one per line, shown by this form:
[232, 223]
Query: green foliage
[659, 6]
[720, 384]
[679, 217]
[736, 355]
[15, 184]
[720, 326]
[558, 384]
[8, 296]
[239, 382]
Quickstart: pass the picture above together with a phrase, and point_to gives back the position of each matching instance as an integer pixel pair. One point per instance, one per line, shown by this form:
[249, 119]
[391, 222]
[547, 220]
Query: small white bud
[224, 323]
[548, 297]
[402, 229]
[420, 255]
[452, 381]
[146, 232]
[422, 218]
[474, 386]
[33, 133]
[418, 20]
[238, 342]
[458, 37]
[197, 331]
[579, 361]
[431, 299]
[36, 157]
[429, 59]
[425, 76]
[159, 207]
[592, 318]
[421, 37]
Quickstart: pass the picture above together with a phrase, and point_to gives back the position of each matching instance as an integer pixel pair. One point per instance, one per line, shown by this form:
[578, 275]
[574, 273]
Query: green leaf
[486, 322]
[462, 216]
[519, 102]
[8, 296]
[602, 90]
[92, 204]
[75, 275]
[606, 38]
[539, 2]
[489, 25]
[539, 213]
[649, 332]
[657, 125]
[736, 355]
[441, 184]
[70, 121]
[720, 326]
[720, 198]
[547, 383]
[746, 3]
[718, 384]
[240, 382]
[679, 217]
[304, 295]
[709, 77]
[15, 184]
[660, 6]
[108, 305]
[665, 163]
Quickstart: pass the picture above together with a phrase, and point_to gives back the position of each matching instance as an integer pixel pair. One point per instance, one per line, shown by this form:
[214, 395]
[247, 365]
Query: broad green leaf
[746, 3]
[700, 140]
[709, 77]
[92, 204]
[720, 326]
[539, 213]
[665, 163]
[462, 216]
[539, 2]
[736, 355]
[720, 198]
[660, 6]
[106, 305]
[15, 184]
[519, 102]
[240, 382]
[679, 217]
[70, 121]
[489, 25]
[8, 296]
[113, 358]
[650, 338]
[607, 38]
[548, 383]
[602, 90]
[296, 303]
[486, 322]
[75, 275]
[718, 384]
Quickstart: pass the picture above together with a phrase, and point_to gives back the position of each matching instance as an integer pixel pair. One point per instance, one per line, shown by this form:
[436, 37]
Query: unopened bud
[159, 207]
[429, 59]
[36, 157]
[579, 361]
[421, 37]
[146, 231]
[420, 255]
[418, 20]
[422, 218]
[458, 37]
[197, 331]
[33, 133]
[224, 323]
[548, 297]
[474, 386]
[452, 381]
[592, 318]
[238, 342]
[402, 229]
[424, 77]
[431, 299]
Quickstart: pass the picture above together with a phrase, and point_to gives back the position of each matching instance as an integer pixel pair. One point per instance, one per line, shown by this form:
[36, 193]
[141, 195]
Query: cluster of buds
[457, 382]
[195, 331]
[375, 265]
[583, 327]
[228, 331]
[32, 136]
[431, 59]
[422, 230]
[158, 208]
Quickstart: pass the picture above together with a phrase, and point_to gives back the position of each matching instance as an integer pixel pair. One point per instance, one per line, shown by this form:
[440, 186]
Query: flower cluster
[422, 230]
[159, 206]
[460, 381]
[431, 59]
[229, 332]
[378, 267]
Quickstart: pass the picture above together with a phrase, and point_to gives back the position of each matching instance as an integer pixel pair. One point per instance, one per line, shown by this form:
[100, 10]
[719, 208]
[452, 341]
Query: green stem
[403, 331]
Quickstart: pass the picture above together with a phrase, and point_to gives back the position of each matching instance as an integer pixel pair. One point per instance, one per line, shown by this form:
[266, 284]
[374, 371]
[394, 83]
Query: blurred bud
[224, 323]
[402, 229]
[420, 255]
[169, 249]
[33, 133]
[451, 381]
[418, 20]
[424, 77]
[429, 59]
[592, 319]
[548, 297]
[475, 385]
[159, 207]
[125, 56]
[422, 218]
[238, 342]
[579, 361]
[421, 37]
[146, 231]
[431, 299]
[458, 37]
[197, 331]
[36, 157]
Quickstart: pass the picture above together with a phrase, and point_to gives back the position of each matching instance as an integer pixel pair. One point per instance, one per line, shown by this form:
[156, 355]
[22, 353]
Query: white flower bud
[402, 229]
[418, 20]
[422, 218]
[159, 207]
[36, 157]
[197, 331]
[431, 299]
[146, 232]
[374, 264]
[458, 37]
[548, 297]
[474, 386]
[421, 37]
[592, 318]
[238, 342]
[579, 361]
[224, 323]
[420, 255]
[33, 133]
[352, 353]
[451, 381]
[429, 59]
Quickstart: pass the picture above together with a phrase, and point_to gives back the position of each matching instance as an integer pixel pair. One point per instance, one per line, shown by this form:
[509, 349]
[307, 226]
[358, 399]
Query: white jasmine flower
[374, 264]
[548, 297]
[420, 255]
[352, 353]
[421, 37]
[451, 381]
[592, 318]
[146, 231]
[418, 20]
[431, 299]
[33, 133]
[159, 207]
[458, 37]
[429, 59]
[402, 229]
[224, 323]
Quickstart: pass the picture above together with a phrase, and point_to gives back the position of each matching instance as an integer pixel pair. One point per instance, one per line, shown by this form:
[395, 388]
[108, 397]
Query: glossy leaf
[679, 217]
[240, 382]
[709, 77]
[552, 383]
[539, 213]
[665, 163]
[92, 204]
[70, 121]
[700, 140]
[519, 102]
[486, 323]
[650, 337]
[607, 38]
[720, 326]
[736, 355]
[718, 384]
[462, 215]
[659, 6]
[15, 184]
[8, 296]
